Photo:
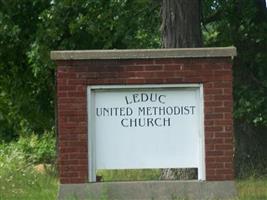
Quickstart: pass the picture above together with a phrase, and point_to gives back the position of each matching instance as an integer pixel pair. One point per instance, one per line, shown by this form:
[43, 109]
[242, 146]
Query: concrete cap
[144, 53]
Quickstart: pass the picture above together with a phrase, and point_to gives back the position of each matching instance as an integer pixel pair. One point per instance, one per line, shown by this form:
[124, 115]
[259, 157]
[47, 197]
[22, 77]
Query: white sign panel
[147, 128]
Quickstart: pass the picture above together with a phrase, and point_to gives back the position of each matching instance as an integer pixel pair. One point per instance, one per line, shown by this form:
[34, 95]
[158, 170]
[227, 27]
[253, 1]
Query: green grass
[248, 189]
[129, 175]
[19, 180]
[252, 189]
[28, 185]
[31, 185]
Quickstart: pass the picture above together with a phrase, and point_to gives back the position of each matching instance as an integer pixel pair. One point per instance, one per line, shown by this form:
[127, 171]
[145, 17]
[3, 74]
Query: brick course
[73, 77]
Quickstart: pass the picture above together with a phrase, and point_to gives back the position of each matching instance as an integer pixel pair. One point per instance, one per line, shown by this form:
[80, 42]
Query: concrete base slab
[149, 190]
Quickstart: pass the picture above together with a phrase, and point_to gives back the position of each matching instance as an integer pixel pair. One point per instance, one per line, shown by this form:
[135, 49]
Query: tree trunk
[180, 29]
[181, 23]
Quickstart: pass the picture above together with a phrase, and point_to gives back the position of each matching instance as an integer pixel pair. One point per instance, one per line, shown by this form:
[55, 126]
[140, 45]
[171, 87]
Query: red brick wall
[73, 77]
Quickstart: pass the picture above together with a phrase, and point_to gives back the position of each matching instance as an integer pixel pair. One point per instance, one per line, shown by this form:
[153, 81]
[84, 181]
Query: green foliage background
[19, 177]
[30, 29]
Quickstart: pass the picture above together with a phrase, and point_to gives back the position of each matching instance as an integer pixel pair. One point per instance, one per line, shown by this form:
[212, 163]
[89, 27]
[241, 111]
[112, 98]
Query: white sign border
[91, 121]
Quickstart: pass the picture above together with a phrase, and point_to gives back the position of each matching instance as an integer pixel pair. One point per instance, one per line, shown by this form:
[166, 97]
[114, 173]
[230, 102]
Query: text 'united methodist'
[152, 111]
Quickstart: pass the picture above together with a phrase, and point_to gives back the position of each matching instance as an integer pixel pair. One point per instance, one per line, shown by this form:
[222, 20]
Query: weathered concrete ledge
[147, 190]
[145, 53]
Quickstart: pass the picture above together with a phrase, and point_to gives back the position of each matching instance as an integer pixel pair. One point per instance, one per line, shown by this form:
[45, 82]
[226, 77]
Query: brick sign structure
[80, 73]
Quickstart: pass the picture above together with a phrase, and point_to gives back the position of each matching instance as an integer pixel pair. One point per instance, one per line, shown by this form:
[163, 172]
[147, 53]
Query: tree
[30, 29]
[244, 24]
[180, 29]
[25, 104]
[181, 23]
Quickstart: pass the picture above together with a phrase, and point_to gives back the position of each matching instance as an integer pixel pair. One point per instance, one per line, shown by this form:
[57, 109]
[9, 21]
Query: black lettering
[192, 107]
[135, 98]
[129, 111]
[169, 110]
[186, 110]
[161, 110]
[176, 110]
[144, 97]
[105, 112]
[116, 111]
[133, 121]
[145, 122]
[154, 110]
[141, 110]
[167, 121]
[155, 97]
[123, 123]
[150, 121]
[160, 98]
[98, 113]
[122, 111]
[127, 102]
[157, 123]
[182, 110]
[140, 122]
[148, 111]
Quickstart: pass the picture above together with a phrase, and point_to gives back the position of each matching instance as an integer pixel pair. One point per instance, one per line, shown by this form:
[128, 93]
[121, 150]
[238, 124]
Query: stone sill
[147, 190]
[144, 53]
